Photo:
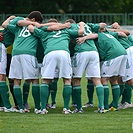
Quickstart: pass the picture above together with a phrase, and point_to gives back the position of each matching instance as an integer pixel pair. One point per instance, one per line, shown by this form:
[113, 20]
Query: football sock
[18, 96]
[90, 91]
[67, 91]
[73, 96]
[1, 102]
[44, 93]
[36, 95]
[116, 95]
[11, 84]
[106, 96]
[5, 94]
[53, 91]
[124, 95]
[100, 95]
[128, 94]
[26, 88]
[122, 86]
[77, 93]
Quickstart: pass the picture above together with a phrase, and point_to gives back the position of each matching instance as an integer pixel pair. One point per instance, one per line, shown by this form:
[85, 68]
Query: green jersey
[130, 38]
[108, 46]
[55, 40]
[89, 44]
[125, 42]
[8, 36]
[24, 42]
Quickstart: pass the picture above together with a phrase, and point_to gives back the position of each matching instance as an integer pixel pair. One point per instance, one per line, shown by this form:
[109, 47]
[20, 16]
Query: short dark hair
[37, 15]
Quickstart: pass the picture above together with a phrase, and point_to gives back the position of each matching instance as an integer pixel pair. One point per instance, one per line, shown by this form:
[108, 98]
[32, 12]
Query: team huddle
[56, 50]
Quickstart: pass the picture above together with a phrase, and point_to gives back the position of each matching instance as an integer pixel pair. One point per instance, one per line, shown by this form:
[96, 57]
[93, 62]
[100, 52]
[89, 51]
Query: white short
[24, 66]
[59, 61]
[86, 61]
[3, 59]
[114, 67]
[129, 66]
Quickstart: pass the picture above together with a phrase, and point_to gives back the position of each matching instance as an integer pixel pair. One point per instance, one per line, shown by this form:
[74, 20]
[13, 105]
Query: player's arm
[25, 22]
[31, 28]
[102, 25]
[119, 30]
[6, 22]
[53, 26]
[121, 34]
[59, 26]
[38, 25]
[81, 40]
[81, 29]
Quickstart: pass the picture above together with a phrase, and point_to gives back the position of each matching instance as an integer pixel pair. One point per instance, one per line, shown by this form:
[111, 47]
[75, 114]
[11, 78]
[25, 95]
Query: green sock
[73, 96]
[124, 95]
[5, 94]
[77, 93]
[122, 86]
[36, 95]
[128, 93]
[100, 95]
[50, 88]
[26, 88]
[106, 96]
[90, 91]
[116, 95]
[18, 96]
[67, 91]
[44, 92]
[54, 91]
[1, 102]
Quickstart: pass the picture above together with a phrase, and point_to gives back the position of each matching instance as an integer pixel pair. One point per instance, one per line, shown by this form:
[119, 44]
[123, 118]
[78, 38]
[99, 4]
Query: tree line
[66, 6]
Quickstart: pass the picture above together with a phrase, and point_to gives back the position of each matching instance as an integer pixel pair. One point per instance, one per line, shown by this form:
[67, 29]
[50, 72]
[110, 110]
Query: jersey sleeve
[115, 34]
[94, 27]
[39, 33]
[44, 28]
[73, 33]
[11, 28]
[15, 20]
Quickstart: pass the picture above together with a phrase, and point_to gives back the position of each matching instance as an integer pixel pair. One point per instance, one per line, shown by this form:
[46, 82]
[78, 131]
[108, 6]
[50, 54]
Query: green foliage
[69, 6]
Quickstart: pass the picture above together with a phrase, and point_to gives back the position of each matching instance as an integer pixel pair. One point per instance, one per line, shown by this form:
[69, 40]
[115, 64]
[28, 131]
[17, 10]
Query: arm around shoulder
[6, 22]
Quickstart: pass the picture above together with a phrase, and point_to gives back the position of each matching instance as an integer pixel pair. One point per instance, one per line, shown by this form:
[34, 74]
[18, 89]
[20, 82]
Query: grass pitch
[56, 122]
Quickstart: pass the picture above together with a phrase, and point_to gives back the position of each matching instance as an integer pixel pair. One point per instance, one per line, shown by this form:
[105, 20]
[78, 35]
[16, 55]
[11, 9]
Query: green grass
[56, 122]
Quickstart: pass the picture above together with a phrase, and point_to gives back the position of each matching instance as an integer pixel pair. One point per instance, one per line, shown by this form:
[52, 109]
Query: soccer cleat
[37, 111]
[120, 106]
[21, 111]
[106, 110]
[26, 110]
[100, 110]
[78, 111]
[26, 106]
[87, 105]
[53, 106]
[2, 109]
[12, 109]
[16, 110]
[48, 106]
[113, 109]
[66, 111]
[44, 111]
[127, 105]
